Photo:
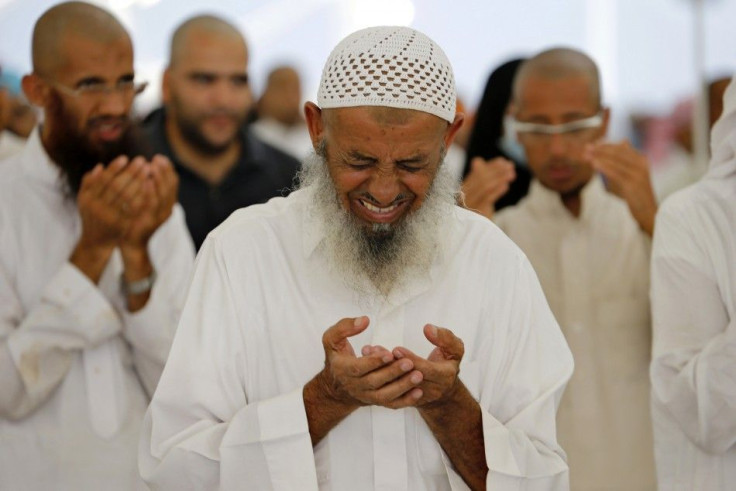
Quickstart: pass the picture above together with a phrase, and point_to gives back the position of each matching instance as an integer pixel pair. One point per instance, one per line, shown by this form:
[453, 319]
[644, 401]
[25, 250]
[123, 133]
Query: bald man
[261, 393]
[221, 164]
[279, 113]
[94, 261]
[585, 226]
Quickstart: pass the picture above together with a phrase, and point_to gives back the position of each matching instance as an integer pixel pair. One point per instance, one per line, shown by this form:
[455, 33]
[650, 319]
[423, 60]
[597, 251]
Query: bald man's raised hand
[627, 176]
[106, 202]
[152, 206]
[486, 183]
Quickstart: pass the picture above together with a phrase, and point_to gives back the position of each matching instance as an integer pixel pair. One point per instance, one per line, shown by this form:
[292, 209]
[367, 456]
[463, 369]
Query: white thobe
[694, 312]
[594, 272]
[229, 410]
[76, 368]
[10, 144]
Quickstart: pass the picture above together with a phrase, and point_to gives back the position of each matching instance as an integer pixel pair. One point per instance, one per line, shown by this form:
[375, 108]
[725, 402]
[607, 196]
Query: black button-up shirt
[261, 173]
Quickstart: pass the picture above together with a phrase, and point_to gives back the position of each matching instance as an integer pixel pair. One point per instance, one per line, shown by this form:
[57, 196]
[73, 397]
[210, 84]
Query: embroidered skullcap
[391, 67]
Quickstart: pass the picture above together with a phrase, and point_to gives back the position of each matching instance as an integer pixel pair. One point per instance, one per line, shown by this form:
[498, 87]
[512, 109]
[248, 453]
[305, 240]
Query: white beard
[380, 258]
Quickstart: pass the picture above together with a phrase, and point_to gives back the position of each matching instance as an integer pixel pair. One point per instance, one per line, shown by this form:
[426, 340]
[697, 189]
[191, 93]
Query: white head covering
[723, 137]
[391, 67]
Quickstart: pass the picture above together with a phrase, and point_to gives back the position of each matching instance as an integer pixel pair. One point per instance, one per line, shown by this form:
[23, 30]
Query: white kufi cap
[391, 67]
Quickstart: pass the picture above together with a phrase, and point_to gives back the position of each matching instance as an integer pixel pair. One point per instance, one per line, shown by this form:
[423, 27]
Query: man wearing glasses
[586, 226]
[94, 262]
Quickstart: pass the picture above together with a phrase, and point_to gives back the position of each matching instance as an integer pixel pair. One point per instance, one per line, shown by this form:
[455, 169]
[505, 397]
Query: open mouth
[374, 213]
[378, 209]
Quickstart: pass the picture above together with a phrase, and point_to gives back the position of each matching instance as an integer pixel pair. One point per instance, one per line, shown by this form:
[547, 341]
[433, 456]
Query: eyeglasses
[98, 90]
[574, 130]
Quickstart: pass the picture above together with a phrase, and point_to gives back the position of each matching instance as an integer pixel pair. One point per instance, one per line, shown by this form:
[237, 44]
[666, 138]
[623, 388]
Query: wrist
[136, 262]
[91, 259]
[329, 390]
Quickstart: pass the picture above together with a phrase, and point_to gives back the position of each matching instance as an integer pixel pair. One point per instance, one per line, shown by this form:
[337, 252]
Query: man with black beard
[222, 166]
[94, 262]
[259, 393]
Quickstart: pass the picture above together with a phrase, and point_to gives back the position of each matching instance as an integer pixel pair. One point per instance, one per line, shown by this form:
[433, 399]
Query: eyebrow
[99, 80]
[356, 155]
[414, 159]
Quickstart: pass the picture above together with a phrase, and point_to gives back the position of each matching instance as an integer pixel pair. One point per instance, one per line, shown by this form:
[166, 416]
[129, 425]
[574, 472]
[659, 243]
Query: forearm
[36, 351]
[457, 425]
[91, 259]
[695, 388]
[324, 411]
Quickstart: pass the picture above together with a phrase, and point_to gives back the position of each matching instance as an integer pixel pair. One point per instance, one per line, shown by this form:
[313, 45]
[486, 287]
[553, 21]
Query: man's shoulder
[263, 151]
[14, 178]
[249, 223]
[481, 234]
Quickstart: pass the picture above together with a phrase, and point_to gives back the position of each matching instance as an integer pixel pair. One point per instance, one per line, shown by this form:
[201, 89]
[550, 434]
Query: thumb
[336, 337]
[451, 346]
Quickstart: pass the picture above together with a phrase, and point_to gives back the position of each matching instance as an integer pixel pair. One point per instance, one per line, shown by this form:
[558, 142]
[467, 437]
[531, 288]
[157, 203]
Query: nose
[384, 185]
[221, 93]
[557, 145]
[115, 103]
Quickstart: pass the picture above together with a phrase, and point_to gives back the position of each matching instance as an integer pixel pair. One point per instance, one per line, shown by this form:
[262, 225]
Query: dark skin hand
[122, 205]
[486, 183]
[397, 379]
[627, 176]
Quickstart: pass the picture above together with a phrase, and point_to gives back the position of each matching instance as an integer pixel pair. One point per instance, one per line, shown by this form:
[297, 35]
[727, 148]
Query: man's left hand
[627, 176]
[154, 204]
[440, 369]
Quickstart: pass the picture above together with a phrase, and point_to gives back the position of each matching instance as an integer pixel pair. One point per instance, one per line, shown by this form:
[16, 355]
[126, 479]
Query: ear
[315, 125]
[35, 89]
[452, 130]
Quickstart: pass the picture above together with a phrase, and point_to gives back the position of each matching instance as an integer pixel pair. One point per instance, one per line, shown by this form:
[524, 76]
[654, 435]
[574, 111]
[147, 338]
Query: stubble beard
[382, 257]
[191, 131]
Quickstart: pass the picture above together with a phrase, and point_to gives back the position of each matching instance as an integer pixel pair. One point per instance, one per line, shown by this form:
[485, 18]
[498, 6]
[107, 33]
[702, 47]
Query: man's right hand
[106, 202]
[486, 183]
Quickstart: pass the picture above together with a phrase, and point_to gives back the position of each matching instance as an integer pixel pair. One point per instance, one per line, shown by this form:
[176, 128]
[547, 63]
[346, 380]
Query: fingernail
[433, 330]
[356, 323]
[406, 365]
[387, 358]
[417, 394]
[416, 378]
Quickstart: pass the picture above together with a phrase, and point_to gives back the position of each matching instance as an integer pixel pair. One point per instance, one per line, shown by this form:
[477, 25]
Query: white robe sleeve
[36, 348]
[694, 345]
[200, 431]
[519, 384]
[150, 331]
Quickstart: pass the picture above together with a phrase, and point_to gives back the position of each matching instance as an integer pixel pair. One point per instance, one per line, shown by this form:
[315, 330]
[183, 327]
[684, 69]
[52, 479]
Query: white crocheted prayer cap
[392, 67]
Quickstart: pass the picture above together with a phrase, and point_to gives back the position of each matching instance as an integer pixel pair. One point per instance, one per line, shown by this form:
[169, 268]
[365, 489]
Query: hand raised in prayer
[102, 200]
[627, 176]
[486, 183]
[152, 205]
[376, 378]
[440, 369]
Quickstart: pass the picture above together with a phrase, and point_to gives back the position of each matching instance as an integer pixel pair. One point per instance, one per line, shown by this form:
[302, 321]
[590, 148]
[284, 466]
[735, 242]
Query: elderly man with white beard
[260, 393]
